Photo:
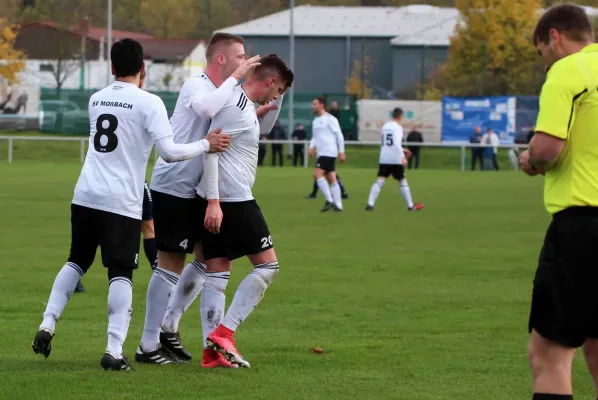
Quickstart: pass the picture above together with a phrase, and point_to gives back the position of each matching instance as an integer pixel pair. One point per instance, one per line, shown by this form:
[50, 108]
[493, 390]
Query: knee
[380, 182]
[590, 352]
[403, 183]
[546, 357]
[114, 272]
[267, 272]
[173, 262]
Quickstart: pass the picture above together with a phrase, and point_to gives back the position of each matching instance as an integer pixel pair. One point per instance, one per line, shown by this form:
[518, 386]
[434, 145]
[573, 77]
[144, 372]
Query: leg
[185, 292]
[120, 254]
[322, 184]
[495, 162]
[84, 243]
[147, 228]
[344, 193]
[175, 238]
[590, 352]
[377, 187]
[551, 367]
[335, 190]
[314, 190]
[149, 242]
[416, 156]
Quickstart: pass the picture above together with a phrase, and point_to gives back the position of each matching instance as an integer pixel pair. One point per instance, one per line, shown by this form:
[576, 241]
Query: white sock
[160, 287]
[375, 192]
[325, 189]
[120, 309]
[406, 193]
[212, 302]
[335, 189]
[250, 293]
[186, 291]
[62, 290]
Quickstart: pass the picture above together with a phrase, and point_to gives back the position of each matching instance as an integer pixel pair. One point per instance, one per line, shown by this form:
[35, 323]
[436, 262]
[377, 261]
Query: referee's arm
[558, 102]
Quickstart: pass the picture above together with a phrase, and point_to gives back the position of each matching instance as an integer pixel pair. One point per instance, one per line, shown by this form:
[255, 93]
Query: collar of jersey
[591, 48]
[123, 83]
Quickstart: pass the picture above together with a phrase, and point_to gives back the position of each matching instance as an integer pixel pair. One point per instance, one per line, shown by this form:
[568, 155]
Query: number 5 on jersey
[105, 140]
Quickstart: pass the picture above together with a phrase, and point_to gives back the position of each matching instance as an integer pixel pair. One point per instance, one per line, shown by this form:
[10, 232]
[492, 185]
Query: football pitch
[429, 305]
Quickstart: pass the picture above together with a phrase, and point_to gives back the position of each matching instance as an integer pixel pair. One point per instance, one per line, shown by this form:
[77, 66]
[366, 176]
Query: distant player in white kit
[125, 123]
[328, 143]
[392, 162]
[232, 212]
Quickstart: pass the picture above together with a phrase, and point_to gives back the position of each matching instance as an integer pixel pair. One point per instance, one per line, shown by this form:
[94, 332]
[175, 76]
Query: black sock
[544, 396]
[149, 246]
[315, 188]
[340, 183]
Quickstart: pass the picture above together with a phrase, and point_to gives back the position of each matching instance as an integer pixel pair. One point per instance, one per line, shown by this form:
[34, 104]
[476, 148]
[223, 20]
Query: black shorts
[396, 170]
[565, 299]
[243, 232]
[146, 215]
[178, 223]
[116, 235]
[326, 163]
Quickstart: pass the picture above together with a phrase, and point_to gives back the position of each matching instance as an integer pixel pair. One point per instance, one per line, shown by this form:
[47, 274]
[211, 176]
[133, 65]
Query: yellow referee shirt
[569, 111]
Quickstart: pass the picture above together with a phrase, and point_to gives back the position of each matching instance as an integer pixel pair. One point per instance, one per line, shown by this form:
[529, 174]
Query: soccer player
[392, 162]
[177, 220]
[233, 214]
[107, 205]
[564, 306]
[328, 143]
[314, 190]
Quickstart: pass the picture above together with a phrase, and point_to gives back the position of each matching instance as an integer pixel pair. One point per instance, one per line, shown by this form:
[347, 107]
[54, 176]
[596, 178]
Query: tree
[12, 61]
[491, 52]
[358, 83]
[168, 18]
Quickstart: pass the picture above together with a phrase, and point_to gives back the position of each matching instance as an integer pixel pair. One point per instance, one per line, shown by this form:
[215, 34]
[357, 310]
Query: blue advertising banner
[460, 116]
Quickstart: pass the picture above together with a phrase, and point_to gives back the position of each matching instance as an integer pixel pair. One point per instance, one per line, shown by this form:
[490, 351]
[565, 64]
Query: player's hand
[404, 162]
[213, 218]
[263, 110]
[311, 152]
[218, 142]
[248, 65]
[342, 157]
[525, 165]
[408, 153]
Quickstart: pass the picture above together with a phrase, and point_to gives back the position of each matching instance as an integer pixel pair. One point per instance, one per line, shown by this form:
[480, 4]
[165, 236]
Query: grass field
[429, 305]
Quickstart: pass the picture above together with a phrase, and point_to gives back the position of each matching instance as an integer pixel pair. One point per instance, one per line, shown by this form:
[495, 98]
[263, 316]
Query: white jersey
[237, 166]
[391, 149]
[180, 179]
[327, 136]
[124, 123]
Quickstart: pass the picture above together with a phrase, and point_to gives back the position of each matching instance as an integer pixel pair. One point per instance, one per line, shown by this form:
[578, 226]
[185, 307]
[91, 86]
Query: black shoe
[42, 344]
[109, 362]
[336, 209]
[345, 196]
[327, 207]
[369, 208]
[80, 288]
[159, 356]
[311, 196]
[172, 343]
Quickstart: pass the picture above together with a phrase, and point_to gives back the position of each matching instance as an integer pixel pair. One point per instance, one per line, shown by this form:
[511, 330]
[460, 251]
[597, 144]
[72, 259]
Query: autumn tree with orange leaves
[491, 51]
[11, 61]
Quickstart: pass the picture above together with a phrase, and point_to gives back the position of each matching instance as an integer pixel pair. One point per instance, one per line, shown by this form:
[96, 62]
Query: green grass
[429, 305]
[358, 156]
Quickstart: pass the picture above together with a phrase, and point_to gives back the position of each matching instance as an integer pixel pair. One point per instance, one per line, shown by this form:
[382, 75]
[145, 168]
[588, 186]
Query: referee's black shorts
[565, 295]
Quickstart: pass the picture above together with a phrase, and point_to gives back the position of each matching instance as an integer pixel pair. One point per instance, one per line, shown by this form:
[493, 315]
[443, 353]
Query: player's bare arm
[544, 151]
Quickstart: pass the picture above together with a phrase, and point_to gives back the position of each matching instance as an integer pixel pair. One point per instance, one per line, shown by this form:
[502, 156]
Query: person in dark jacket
[477, 153]
[414, 136]
[277, 133]
[298, 149]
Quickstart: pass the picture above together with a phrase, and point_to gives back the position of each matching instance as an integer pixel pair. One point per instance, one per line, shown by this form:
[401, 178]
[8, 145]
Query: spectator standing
[277, 133]
[491, 139]
[414, 136]
[298, 149]
[477, 153]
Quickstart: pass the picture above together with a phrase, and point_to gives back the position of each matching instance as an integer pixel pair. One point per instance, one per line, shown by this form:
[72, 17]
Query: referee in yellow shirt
[564, 310]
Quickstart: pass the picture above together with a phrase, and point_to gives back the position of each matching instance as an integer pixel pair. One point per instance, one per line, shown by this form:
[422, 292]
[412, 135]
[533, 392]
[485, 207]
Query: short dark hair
[272, 64]
[220, 38]
[126, 57]
[568, 19]
[321, 100]
[397, 112]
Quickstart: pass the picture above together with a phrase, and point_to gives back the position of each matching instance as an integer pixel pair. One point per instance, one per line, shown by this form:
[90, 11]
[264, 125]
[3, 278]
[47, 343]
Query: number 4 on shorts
[184, 244]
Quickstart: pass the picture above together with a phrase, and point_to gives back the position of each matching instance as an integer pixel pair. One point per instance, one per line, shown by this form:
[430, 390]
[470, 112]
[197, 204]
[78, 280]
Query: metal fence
[462, 147]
